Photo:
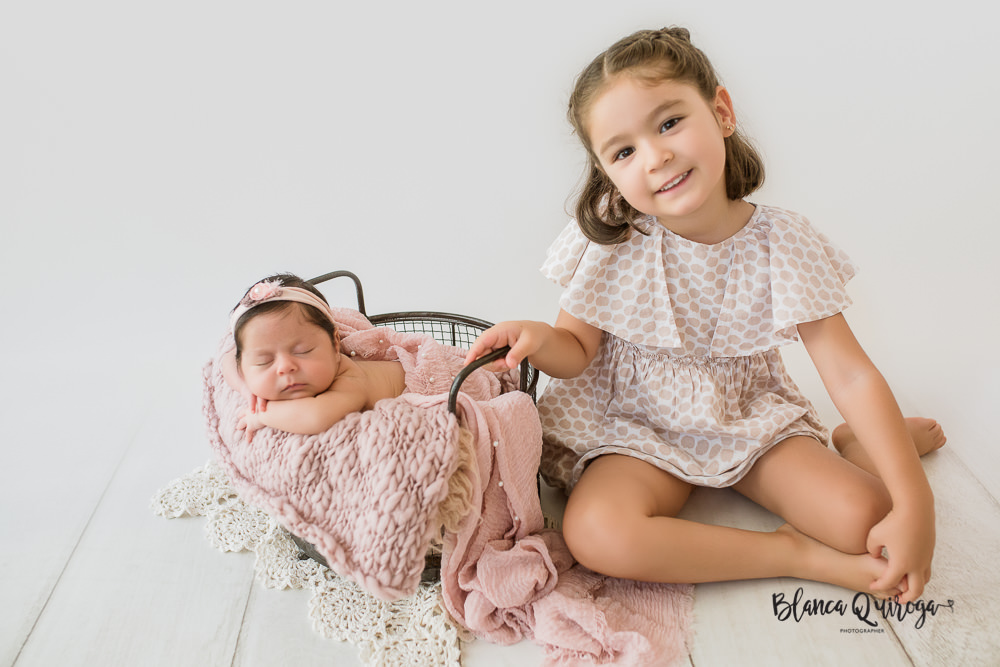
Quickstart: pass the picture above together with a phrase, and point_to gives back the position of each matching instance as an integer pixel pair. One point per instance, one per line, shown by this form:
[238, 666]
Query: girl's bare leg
[620, 520]
[927, 435]
[820, 493]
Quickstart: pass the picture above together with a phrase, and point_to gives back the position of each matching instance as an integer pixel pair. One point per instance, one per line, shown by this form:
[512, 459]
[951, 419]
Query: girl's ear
[722, 105]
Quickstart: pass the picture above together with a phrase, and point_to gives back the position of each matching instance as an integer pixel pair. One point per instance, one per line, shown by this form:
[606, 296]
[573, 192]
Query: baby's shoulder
[371, 379]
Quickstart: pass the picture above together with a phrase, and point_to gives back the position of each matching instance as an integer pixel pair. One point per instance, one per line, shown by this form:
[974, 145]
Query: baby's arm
[306, 416]
[231, 374]
[561, 351]
[863, 397]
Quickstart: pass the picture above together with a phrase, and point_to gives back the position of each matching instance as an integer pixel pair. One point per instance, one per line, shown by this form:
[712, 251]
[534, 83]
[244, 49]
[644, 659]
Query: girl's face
[285, 356]
[663, 147]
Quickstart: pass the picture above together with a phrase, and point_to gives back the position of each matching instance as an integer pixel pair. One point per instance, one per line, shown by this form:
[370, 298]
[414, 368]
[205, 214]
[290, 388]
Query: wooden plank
[479, 653]
[141, 590]
[55, 463]
[965, 577]
[277, 631]
[736, 623]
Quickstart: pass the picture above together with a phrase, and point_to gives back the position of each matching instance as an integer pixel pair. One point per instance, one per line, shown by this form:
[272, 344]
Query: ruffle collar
[782, 272]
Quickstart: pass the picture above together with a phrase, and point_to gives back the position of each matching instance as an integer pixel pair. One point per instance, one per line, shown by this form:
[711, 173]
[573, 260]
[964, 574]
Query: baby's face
[285, 356]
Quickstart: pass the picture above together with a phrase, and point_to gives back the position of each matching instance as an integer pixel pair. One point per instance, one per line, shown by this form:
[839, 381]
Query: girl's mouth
[674, 183]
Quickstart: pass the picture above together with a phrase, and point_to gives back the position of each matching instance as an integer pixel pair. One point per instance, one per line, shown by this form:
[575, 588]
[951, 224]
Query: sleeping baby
[288, 364]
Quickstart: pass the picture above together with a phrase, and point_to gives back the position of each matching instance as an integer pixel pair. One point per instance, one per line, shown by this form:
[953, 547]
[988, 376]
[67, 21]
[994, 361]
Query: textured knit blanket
[369, 492]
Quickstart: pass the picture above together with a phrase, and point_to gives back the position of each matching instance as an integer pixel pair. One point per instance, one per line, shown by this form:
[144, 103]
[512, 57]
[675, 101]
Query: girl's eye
[304, 351]
[669, 124]
[623, 153]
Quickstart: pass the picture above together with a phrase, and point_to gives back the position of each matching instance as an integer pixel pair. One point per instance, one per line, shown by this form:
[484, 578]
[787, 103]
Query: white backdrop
[157, 158]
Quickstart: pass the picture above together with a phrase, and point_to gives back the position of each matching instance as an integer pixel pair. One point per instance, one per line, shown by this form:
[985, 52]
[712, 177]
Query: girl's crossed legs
[621, 520]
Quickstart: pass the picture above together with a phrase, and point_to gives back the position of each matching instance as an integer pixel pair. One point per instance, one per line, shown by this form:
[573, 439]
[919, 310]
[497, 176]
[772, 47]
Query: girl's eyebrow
[618, 138]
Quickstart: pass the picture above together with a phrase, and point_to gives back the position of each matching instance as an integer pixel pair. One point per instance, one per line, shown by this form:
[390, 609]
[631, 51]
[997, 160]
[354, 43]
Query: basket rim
[430, 316]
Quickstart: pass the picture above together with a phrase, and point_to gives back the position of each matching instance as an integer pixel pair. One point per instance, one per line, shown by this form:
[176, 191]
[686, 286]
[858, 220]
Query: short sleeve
[563, 256]
[809, 275]
[620, 289]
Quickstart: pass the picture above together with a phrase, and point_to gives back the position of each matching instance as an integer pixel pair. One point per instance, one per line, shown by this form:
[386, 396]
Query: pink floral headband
[272, 290]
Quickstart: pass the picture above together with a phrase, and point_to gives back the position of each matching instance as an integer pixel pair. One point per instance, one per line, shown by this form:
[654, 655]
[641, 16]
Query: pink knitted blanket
[366, 493]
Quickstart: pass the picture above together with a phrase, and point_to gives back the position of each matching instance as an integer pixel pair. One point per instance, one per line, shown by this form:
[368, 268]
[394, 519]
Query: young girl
[664, 359]
[288, 364]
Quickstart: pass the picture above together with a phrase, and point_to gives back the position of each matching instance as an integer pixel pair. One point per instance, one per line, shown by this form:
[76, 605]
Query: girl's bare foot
[818, 562]
[927, 435]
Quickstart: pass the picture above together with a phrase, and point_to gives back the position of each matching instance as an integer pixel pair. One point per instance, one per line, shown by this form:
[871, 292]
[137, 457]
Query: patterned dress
[688, 376]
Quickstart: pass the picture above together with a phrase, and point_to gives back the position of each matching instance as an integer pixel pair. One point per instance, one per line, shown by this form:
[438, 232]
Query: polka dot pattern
[688, 376]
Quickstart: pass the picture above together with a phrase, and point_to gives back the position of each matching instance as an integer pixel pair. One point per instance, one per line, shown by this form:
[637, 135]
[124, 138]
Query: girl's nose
[657, 155]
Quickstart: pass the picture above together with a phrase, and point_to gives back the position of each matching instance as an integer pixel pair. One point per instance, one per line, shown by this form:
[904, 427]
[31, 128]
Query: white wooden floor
[90, 576]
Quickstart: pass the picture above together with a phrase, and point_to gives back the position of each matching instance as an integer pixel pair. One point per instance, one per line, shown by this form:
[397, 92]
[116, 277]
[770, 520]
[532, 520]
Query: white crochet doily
[413, 631]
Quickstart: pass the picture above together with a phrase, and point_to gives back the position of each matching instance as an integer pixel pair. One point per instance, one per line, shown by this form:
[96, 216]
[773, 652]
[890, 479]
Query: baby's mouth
[677, 181]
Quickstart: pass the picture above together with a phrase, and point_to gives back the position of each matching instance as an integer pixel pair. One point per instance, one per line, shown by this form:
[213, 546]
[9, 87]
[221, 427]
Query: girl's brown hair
[652, 56]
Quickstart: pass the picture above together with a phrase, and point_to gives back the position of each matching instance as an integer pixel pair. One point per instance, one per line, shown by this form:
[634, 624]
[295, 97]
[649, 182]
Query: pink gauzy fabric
[504, 577]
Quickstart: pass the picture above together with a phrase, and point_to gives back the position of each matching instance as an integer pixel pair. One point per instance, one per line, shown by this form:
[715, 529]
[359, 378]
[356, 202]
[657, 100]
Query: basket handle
[456, 384]
[344, 274]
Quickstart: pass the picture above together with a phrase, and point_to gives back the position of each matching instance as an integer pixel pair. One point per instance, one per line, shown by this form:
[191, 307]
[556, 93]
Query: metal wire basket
[446, 328]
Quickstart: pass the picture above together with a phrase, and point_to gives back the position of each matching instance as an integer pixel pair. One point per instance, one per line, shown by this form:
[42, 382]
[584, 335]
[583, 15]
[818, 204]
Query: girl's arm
[865, 401]
[306, 416]
[561, 351]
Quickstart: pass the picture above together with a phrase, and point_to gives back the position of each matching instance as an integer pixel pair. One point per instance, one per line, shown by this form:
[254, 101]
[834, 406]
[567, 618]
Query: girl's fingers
[488, 341]
[517, 353]
[479, 347]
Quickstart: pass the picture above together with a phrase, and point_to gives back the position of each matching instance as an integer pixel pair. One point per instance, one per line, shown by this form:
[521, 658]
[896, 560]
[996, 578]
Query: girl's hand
[560, 351]
[908, 538]
[524, 338]
[250, 423]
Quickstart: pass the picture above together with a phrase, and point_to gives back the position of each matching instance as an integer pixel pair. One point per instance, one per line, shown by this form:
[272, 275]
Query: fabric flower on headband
[273, 290]
[262, 291]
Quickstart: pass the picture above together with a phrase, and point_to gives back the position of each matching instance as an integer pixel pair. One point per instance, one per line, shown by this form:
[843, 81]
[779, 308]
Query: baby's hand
[255, 403]
[250, 423]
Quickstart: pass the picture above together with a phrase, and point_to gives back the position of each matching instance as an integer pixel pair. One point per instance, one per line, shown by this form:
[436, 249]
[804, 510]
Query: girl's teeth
[673, 182]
